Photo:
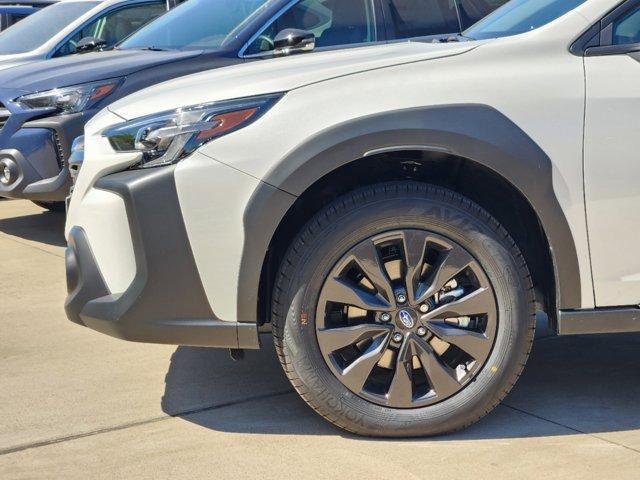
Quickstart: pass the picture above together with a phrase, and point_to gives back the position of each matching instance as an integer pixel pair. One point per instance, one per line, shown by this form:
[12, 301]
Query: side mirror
[292, 40]
[90, 44]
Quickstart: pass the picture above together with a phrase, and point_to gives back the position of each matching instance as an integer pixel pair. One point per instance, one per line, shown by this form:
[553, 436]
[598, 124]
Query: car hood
[10, 60]
[90, 67]
[5, 64]
[277, 75]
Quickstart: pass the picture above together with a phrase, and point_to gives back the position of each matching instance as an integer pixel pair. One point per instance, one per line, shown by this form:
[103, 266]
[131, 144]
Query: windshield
[37, 29]
[196, 24]
[520, 16]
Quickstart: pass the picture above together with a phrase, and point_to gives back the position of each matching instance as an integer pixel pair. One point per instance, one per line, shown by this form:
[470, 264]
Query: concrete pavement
[77, 404]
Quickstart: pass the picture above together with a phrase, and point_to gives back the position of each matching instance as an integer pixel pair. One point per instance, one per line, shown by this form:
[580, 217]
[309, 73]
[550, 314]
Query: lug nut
[401, 298]
[424, 308]
[422, 331]
[385, 317]
[397, 337]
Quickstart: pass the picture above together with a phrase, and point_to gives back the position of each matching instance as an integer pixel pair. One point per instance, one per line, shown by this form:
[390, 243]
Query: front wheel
[403, 309]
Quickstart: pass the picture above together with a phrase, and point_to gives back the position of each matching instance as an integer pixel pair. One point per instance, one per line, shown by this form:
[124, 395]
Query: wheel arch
[450, 146]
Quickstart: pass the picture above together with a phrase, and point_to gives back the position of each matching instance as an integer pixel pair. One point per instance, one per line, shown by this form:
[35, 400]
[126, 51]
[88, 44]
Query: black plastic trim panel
[266, 207]
[54, 189]
[600, 320]
[590, 38]
[597, 40]
[84, 280]
[166, 302]
[65, 127]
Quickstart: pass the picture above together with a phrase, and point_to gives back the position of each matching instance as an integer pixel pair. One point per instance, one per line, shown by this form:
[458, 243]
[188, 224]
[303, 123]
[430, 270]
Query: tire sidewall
[334, 236]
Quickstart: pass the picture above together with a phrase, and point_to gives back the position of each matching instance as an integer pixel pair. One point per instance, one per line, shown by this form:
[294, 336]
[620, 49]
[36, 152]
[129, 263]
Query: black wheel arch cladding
[475, 132]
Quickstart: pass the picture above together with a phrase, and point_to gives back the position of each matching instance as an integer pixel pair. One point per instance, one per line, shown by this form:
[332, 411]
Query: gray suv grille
[4, 115]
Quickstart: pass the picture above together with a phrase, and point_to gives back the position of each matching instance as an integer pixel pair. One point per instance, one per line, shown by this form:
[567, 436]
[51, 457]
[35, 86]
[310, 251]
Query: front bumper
[35, 154]
[165, 302]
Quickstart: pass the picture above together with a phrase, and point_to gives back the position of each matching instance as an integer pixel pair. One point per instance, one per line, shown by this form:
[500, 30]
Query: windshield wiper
[151, 48]
[455, 38]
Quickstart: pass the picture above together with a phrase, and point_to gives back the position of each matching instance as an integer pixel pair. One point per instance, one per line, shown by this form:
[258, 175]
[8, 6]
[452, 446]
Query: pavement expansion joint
[124, 426]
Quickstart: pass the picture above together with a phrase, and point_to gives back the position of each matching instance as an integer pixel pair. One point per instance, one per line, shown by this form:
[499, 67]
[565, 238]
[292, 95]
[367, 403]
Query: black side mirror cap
[293, 40]
[90, 44]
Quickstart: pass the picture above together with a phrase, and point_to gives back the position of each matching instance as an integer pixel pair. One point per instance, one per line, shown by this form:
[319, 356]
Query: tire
[323, 377]
[51, 206]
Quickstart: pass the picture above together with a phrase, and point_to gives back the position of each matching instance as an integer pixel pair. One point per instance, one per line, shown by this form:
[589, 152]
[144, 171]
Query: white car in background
[75, 26]
[396, 213]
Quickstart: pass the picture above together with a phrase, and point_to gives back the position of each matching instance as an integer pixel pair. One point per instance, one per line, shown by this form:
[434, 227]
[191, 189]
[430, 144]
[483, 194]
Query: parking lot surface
[77, 404]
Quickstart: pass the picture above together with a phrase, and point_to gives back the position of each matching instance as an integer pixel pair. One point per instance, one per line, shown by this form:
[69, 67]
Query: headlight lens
[167, 137]
[69, 99]
[76, 158]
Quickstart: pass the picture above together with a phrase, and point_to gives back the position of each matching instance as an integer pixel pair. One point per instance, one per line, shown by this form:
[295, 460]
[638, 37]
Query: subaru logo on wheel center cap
[406, 318]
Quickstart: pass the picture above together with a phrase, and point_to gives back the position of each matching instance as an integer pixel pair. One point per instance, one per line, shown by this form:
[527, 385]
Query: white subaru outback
[396, 214]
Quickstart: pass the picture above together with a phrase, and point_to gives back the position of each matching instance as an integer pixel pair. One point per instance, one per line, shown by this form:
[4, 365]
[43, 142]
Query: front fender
[476, 132]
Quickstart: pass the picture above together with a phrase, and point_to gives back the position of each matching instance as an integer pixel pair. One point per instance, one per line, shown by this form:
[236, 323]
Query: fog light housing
[8, 171]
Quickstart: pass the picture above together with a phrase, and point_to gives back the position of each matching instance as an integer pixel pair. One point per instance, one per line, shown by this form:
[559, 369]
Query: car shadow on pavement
[46, 227]
[586, 384]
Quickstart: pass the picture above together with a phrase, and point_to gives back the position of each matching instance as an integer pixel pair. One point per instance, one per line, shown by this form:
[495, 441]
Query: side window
[418, 18]
[114, 26]
[473, 10]
[333, 22]
[626, 30]
[15, 18]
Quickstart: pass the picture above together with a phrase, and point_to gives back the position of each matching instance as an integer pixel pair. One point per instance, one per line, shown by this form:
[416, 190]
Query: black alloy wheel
[406, 318]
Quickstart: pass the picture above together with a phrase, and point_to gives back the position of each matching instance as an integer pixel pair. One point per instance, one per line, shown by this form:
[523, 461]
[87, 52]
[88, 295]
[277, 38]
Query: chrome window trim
[282, 11]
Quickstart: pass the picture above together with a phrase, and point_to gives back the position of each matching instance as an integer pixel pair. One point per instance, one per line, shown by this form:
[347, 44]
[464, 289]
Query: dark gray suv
[45, 105]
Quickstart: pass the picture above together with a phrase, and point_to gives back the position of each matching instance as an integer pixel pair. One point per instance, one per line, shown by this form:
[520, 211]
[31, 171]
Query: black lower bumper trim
[54, 189]
[84, 280]
[166, 302]
[197, 333]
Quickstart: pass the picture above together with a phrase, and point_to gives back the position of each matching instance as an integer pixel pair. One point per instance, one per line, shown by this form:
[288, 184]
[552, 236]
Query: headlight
[76, 158]
[165, 138]
[69, 99]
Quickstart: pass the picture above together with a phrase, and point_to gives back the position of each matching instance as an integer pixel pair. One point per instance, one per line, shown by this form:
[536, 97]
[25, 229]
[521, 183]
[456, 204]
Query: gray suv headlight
[167, 137]
[69, 99]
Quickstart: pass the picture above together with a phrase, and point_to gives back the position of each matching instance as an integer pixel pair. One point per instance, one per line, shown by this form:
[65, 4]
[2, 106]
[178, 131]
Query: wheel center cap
[406, 319]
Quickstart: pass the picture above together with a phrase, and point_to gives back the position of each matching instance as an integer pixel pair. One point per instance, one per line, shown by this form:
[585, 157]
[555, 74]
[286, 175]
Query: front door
[612, 158]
